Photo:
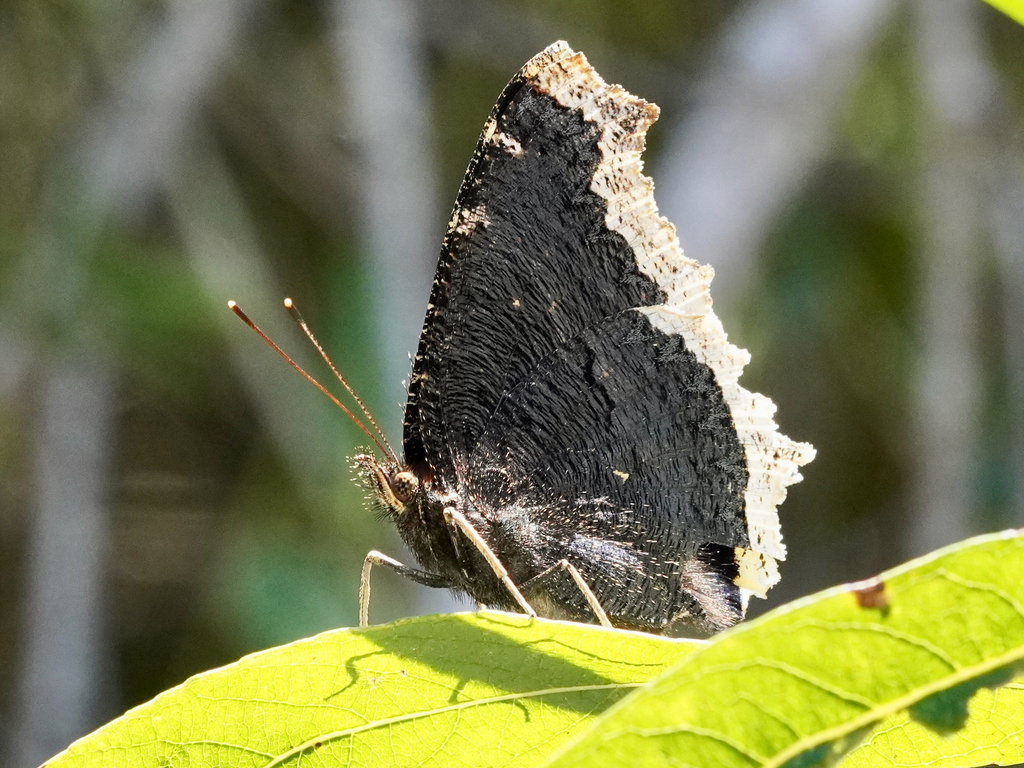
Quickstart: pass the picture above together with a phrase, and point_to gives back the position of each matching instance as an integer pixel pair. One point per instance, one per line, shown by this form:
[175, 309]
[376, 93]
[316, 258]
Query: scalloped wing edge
[773, 460]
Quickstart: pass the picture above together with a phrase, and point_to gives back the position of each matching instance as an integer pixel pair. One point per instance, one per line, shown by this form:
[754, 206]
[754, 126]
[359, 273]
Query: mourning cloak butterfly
[576, 442]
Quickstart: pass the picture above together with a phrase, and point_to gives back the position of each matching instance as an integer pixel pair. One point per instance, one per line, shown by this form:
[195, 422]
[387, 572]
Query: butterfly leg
[573, 571]
[452, 516]
[378, 558]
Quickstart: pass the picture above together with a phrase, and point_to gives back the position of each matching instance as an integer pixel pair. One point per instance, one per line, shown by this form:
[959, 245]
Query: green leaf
[1012, 8]
[476, 689]
[993, 734]
[805, 682]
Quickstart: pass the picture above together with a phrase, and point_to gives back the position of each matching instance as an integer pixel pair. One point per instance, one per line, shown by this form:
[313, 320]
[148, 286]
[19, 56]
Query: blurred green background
[172, 496]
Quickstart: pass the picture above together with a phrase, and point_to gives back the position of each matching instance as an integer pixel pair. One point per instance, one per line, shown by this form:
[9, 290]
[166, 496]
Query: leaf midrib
[409, 716]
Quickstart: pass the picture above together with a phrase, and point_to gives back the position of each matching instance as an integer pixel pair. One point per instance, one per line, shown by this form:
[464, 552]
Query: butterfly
[576, 444]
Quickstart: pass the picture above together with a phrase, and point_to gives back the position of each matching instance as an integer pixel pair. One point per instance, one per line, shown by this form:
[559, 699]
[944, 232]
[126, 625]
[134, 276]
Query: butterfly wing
[525, 265]
[571, 364]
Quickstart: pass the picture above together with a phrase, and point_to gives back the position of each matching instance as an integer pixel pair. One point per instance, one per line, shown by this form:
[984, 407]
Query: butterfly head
[392, 486]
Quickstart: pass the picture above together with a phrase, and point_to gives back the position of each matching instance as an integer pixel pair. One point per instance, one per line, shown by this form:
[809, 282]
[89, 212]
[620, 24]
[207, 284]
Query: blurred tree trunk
[381, 59]
[1008, 227]
[115, 155]
[761, 123]
[958, 87]
[64, 661]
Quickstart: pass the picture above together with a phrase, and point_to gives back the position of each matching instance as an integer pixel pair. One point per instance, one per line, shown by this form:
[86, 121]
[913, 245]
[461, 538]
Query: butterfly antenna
[290, 306]
[245, 319]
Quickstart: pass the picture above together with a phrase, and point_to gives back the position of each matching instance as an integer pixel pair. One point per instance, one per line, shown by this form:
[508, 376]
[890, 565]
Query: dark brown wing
[571, 366]
[527, 263]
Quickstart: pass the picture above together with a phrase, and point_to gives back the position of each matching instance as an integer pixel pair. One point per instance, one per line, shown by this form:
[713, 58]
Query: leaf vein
[298, 749]
[669, 730]
[982, 587]
[896, 634]
[892, 706]
[795, 672]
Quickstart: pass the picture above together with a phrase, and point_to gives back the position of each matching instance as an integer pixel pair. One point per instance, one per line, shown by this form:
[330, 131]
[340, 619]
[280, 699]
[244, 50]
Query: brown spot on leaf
[871, 594]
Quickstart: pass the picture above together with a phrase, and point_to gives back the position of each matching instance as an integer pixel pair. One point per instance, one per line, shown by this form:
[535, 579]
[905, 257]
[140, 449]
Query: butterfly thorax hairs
[436, 523]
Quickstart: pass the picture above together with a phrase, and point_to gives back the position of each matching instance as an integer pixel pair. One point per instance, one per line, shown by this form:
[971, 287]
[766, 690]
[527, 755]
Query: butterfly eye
[404, 485]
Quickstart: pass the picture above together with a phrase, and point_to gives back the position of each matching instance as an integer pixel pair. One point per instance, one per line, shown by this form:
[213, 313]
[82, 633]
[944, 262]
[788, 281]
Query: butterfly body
[573, 398]
[613, 550]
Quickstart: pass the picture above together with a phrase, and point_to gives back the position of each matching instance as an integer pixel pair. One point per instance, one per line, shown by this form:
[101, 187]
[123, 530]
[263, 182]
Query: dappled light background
[172, 496]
